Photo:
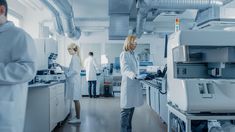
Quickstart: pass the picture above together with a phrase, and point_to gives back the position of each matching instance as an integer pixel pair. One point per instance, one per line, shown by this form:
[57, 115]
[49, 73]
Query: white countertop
[37, 85]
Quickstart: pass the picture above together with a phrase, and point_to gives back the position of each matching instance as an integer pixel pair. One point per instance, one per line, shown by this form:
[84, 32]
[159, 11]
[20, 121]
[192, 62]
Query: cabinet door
[61, 103]
[63, 107]
[148, 89]
[53, 107]
[84, 85]
[60, 107]
[156, 100]
[163, 107]
[152, 101]
[53, 113]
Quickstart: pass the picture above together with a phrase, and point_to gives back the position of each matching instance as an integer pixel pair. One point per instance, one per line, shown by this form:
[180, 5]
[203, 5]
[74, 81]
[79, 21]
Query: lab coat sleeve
[125, 68]
[72, 71]
[22, 67]
[96, 66]
[65, 69]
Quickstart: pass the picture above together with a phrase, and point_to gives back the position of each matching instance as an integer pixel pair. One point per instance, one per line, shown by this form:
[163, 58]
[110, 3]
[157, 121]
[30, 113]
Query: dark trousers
[126, 119]
[92, 84]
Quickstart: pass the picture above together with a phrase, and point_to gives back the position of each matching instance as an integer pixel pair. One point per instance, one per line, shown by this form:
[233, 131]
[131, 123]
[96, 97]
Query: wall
[63, 56]
[33, 19]
[114, 50]
[16, 7]
[157, 47]
[96, 41]
[91, 47]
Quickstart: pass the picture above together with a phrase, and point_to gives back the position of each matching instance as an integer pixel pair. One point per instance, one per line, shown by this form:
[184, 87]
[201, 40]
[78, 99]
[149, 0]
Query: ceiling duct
[68, 18]
[182, 4]
[144, 6]
[57, 22]
[219, 18]
[66, 25]
[119, 12]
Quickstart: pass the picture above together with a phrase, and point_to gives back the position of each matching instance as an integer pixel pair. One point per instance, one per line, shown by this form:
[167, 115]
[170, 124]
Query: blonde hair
[129, 40]
[76, 48]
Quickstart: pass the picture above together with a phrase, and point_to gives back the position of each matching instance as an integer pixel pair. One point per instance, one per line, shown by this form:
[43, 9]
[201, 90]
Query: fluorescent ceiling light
[229, 29]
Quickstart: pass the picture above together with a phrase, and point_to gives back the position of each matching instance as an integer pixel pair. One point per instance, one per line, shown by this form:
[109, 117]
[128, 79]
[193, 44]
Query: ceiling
[90, 8]
[94, 15]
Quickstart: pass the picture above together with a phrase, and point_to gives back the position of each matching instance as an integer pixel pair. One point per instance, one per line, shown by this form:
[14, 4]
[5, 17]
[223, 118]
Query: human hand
[57, 65]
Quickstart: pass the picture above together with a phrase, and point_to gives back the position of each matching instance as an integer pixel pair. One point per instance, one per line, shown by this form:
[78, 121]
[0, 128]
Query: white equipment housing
[201, 71]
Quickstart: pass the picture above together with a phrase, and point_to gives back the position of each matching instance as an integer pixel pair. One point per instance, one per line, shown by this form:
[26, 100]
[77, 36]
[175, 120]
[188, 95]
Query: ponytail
[77, 50]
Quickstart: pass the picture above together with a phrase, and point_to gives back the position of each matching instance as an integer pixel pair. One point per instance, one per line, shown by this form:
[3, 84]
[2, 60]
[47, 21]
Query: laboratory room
[117, 65]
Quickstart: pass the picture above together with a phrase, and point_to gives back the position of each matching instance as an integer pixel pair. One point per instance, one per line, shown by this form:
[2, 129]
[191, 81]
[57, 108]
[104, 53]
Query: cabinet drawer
[53, 91]
[60, 89]
[53, 113]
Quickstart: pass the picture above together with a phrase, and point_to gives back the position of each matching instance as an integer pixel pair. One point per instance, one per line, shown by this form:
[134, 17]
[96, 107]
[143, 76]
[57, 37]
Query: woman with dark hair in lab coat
[72, 73]
[131, 92]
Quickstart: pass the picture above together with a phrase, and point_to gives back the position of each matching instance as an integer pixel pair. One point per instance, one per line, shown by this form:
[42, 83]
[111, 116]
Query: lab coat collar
[6, 26]
[132, 52]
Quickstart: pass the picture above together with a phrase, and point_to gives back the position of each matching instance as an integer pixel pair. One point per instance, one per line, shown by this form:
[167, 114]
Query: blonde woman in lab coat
[72, 73]
[131, 92]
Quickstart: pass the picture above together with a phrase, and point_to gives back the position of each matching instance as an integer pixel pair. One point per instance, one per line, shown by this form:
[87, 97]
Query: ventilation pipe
[146, 5]
[182, 4]
[58, 22]
[69, 25]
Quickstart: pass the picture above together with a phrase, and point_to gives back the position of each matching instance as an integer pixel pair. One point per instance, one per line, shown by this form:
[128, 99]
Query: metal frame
[187, 118]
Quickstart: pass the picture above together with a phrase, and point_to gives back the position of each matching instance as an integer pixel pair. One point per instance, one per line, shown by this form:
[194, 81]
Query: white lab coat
[131, 91]
[91, 69]
[17, 68]
[72, 73]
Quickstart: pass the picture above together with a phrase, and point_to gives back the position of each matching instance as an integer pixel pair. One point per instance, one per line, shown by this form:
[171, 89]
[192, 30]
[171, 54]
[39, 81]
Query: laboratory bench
[40, 85]
[46, 107]
[156, 96]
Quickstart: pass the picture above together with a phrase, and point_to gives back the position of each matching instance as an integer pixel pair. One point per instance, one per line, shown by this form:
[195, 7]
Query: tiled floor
[103, 115]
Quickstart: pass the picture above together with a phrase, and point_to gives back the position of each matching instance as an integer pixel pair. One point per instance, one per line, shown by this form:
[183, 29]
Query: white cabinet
[156, 100]
[44, 48]
[152, 94]
[147, 88]
[46, 106]
[163, 102]
[84, 85]
[156, 97]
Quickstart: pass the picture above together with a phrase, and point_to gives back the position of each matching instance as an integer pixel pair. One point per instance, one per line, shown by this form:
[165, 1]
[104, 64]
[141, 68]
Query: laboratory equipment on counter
[111, 69]
[117, 63]
[144, 55]
[52, 61]
[143, 65]
[153, 69]
[201, 73]
[47, 76]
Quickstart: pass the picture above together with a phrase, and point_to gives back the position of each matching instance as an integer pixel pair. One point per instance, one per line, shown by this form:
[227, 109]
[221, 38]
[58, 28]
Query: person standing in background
[91, 70]
[72, 73]
[17, 68]
[131, 92]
